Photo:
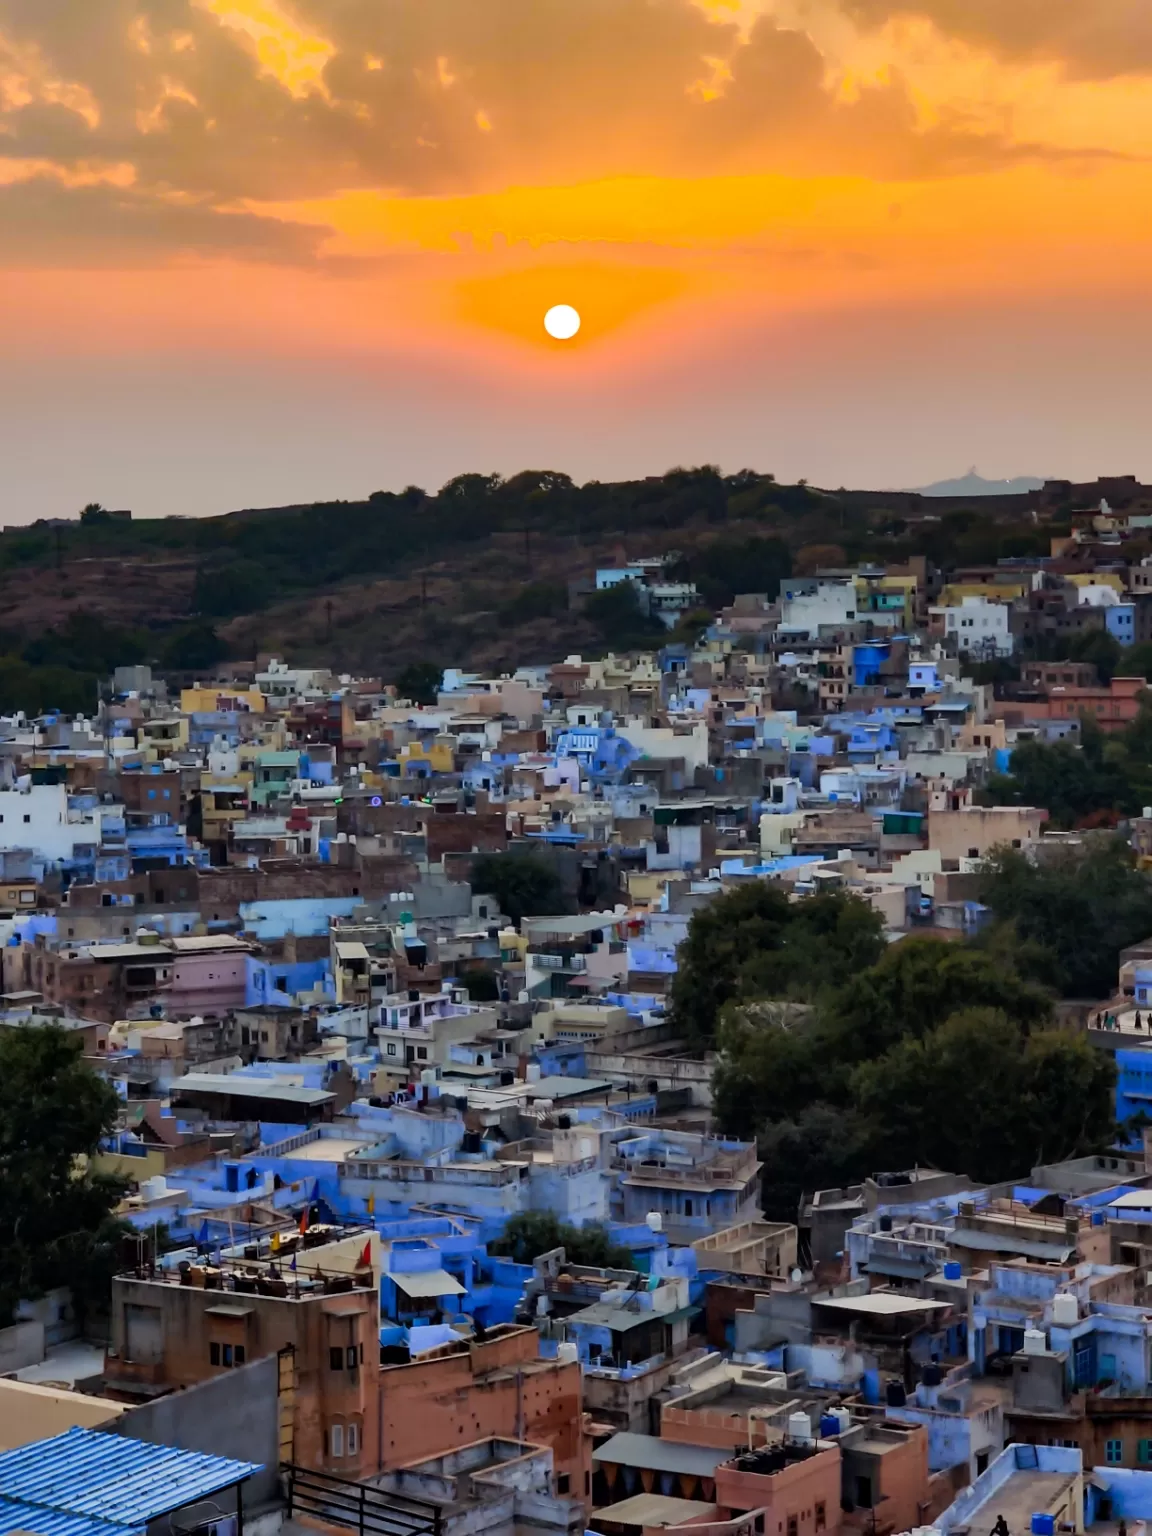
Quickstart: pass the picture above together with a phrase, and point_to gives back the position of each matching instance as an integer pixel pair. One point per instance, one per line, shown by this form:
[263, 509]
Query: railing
[357, 1506]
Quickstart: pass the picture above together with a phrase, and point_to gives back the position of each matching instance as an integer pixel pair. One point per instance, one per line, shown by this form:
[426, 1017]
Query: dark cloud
[432, 97]
[1098, 39]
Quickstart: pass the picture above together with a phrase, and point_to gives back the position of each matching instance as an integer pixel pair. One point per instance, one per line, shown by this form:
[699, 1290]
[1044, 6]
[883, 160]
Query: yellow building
[431, 757]
[210, 701]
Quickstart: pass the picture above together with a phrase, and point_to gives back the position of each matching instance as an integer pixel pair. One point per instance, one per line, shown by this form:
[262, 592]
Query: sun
[562, 322]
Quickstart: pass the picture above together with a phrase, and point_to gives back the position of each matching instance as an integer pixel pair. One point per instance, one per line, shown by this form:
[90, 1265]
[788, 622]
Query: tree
[622, 622]
[94, 513]
[1083, 906]
[524, 884]
[531, 1233]
[917, 985]
[196, 648]
[754, 942]
[977, 1096]
[54, 1110]
[821, 1147]
[420, 682]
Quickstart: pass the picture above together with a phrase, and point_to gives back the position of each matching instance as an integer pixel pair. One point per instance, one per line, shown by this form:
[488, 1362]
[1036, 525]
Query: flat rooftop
[1024, 1494]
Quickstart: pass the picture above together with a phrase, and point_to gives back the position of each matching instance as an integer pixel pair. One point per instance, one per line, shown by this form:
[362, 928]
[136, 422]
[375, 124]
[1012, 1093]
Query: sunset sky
[256, 251]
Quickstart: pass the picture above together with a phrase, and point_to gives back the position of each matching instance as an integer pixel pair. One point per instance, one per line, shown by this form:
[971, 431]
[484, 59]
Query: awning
[432, 1282]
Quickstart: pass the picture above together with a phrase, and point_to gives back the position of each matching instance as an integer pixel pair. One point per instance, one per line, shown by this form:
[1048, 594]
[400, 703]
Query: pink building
[209, 975]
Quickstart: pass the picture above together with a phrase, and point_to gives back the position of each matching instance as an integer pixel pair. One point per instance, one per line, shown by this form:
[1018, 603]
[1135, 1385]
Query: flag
[202, 1235]
[293, 1263]
[315, 1195]
[303, 1221]
[365, 1259]
[372, 1205]
[275, 1242]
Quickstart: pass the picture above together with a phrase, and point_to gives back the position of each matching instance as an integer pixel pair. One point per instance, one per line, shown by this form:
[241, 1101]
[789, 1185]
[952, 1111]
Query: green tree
[622, 622]
[54, 1110]
[195, 648]
[530, 1233]
[1082, 906]
[754, 942]
[524, 884]
[977, 1095]
[917, 985]
[420, 682]
[823, 1146]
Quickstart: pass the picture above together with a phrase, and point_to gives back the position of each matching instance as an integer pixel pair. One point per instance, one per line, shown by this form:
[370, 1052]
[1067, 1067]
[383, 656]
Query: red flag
[365, 1259]
[303, 1221]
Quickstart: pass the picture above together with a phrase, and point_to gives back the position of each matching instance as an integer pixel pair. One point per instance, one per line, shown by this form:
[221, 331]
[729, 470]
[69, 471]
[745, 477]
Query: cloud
[45, 223]
[1094, 39]
[217, 103]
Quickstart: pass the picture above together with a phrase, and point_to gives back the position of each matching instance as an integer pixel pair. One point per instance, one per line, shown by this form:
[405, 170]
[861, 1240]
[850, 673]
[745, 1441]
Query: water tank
[532, 1072]
[843, 1418]
[829, 1426]
[428, 1075]
[1065, 1310]
[655, 1221]
[953, 1270]
[895, 1395]
[1034, 1342]
[154, 1188]
[799, 1427]
[885, 1223]
[1043, 1525]
[567, 1353]
[932, 1376]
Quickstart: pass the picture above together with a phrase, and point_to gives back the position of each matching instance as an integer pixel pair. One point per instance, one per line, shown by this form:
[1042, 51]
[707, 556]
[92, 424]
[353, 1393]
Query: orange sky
[253, 250]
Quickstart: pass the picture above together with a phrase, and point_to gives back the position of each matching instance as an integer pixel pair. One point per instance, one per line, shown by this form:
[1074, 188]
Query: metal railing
[357, 1506]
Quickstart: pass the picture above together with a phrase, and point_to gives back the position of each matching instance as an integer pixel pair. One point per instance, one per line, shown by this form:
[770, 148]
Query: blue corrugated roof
[54, 1522]
[111, 1478]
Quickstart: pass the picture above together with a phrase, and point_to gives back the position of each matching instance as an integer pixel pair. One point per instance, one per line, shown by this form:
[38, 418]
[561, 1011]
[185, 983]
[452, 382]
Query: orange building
[477, 1389]
[796, 1486]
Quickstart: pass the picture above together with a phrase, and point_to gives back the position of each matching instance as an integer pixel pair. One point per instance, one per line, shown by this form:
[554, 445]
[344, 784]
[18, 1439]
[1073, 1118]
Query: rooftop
[101, 1483]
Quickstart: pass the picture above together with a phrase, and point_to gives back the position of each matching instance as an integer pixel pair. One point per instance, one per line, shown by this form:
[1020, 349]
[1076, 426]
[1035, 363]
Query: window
[227, 1354]
[336, 1440]
[213, 1354]
[240, 1354]
[793, 1525]
[1113, 1452]
[351, 1357]
[391, 1048]
[821, 1518]
[1144, 1451]
[563, 1483]
[27, 819]
[421, 1053]
[336, 1358]
[352, 1439]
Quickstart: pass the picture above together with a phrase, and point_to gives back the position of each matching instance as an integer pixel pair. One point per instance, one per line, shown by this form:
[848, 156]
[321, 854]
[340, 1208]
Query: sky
[266, 251]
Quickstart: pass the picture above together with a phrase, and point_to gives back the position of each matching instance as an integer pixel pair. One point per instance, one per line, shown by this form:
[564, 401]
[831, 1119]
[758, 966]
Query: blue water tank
[1043, 1525]
[829, 1426]
[952, 1270]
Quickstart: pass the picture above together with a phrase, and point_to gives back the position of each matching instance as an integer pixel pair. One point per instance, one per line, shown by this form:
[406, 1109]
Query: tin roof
[116, 1483]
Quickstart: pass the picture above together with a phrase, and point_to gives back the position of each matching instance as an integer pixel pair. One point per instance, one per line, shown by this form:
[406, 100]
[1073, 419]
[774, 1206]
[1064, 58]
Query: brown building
[178, 1327]
[343, 1412]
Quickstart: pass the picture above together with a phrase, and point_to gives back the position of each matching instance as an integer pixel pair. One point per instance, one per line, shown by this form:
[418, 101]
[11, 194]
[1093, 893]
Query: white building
[808, 606]
[37, 816]
[979, 624]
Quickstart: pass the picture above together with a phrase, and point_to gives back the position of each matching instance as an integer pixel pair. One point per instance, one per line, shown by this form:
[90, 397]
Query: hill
[973, 484]
[486, 572]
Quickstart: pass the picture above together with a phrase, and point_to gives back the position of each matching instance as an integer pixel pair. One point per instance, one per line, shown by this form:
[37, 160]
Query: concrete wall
[230, 1415]
[21, 1345]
